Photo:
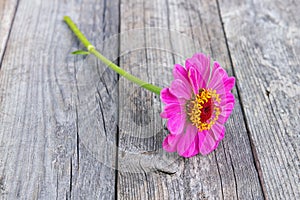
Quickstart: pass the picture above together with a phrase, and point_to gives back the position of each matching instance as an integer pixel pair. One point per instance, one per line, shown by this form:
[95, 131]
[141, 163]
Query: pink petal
[225, 112]
[207, 142]
[196, 80]
[201, 63]
[188, 144]
[218, 131]
[190, 63]
[229, 83]
[176, 123]
[171, 110]
[227, 98]
[179, 89]
[205, 64]
[167, 97]
[170, 142]
[221, 71]
[216, 81]
[179, 72]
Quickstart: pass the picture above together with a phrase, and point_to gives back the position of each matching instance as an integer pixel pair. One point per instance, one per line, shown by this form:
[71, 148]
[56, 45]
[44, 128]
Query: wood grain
[264, 43]
[7, 13]
[70, 128]
[55, 106]
[155, 35]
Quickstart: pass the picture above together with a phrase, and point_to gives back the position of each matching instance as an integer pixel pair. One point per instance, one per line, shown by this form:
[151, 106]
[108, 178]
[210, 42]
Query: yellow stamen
[203, 110]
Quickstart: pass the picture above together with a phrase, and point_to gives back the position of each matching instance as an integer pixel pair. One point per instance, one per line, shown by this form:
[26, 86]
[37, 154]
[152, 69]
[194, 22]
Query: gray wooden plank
[155, 35]
[263, 38]
[58, 133]
[7, 13]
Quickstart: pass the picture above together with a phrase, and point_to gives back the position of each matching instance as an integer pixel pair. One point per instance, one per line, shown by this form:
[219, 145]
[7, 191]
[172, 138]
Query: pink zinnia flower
[198, 103]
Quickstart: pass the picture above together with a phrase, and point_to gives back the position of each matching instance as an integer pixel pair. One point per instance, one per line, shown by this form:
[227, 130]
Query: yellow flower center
[203, 110]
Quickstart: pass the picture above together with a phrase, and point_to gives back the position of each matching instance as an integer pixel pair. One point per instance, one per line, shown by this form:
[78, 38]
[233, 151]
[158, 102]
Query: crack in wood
[71, 178]
[219, 175]
[8, 33]
[235, 180]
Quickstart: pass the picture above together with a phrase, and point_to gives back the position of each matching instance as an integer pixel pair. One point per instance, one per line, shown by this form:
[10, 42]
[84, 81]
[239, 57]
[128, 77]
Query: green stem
[109, 63]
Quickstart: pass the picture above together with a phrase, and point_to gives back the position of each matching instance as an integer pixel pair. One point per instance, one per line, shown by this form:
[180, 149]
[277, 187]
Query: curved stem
[109, 63]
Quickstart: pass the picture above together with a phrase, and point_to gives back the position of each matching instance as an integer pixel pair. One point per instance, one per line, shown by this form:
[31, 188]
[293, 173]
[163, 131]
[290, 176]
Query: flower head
[198, 103]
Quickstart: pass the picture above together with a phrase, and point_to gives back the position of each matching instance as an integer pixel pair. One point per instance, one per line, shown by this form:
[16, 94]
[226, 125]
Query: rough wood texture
[7, 13]
[264, 42]
[54, 105]
[70, 128]
[150, 52]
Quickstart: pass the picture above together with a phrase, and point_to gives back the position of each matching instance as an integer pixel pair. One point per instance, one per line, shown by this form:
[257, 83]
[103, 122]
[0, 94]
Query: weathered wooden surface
[182, 32]
[70, 128]
[51, 104]
[7, 13]
[264, 43]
